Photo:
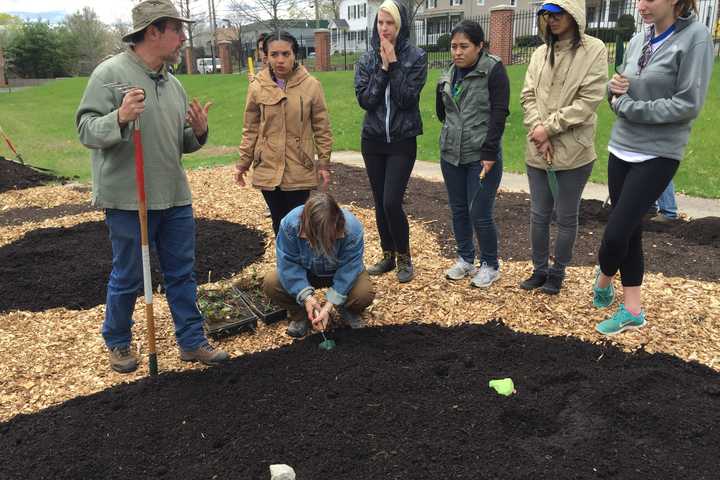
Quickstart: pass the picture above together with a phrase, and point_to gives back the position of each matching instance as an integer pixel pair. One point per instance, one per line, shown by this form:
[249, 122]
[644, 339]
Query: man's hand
[324, 174]
[240, 172]
[488, 165]
[132, 106]
[619, 85]
[197, 117]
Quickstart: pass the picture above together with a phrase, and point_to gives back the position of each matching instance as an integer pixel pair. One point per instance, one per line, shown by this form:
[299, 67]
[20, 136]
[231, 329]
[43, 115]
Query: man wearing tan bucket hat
[171, 126]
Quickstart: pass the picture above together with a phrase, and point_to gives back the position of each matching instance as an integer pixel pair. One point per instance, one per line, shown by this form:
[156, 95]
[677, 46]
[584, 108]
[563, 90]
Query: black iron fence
[605, 19]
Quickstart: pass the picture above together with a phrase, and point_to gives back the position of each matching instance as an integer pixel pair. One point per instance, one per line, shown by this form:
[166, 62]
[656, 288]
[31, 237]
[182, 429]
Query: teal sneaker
[602, 297]
[622, 320]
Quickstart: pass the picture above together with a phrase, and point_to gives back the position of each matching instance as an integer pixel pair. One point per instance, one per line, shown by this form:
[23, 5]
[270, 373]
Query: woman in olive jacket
[388, 81]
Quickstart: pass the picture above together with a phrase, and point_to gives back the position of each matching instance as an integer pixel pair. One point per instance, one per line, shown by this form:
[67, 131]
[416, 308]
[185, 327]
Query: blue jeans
[666, 202]
[472, 208]
[172, 233]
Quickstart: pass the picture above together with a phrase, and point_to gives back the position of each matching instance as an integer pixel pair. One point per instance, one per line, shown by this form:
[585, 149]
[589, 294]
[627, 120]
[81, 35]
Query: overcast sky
[107, 10]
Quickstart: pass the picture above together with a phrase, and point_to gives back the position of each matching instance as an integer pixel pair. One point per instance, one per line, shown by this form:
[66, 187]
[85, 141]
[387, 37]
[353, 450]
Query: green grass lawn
[40, 120]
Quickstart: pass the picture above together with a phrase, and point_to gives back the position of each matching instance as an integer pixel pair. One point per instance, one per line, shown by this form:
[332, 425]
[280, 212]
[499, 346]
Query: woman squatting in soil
[472, 101]
[388, 81]
[286, 121]
[564, 85]
[320, 245]
[656, 94]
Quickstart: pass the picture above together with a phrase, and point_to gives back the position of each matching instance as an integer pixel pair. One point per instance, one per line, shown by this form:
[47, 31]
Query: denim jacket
[295, 258]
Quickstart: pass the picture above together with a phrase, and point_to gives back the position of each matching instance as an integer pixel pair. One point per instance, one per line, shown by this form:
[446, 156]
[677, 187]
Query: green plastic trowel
[326, 344]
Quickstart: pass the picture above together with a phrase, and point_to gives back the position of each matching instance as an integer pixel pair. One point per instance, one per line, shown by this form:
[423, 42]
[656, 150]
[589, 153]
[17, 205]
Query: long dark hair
[551, 39]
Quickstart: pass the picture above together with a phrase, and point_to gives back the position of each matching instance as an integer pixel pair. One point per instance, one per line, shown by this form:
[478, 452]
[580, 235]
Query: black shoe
[536, 280]
[405, 271]
[299, 324]
[385, 265]
[553, 284]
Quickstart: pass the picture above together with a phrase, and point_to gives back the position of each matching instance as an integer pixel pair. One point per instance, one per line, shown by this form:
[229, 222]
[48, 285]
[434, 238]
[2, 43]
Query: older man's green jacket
[165, 136]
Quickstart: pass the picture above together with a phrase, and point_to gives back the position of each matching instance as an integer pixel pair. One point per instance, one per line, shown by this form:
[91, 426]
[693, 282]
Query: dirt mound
[397, 402]
[69, 267]
[14, 176]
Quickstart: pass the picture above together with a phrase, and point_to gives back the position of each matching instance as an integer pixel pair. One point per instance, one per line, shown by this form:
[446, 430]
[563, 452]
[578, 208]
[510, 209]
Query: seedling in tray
[225, 312]
[267, 311]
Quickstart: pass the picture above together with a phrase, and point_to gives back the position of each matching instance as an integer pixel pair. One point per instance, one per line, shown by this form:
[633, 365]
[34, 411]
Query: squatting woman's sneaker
[602, 297]
[622, 320]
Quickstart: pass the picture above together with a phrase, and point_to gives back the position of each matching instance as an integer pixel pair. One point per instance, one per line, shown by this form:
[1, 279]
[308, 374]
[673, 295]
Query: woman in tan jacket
[564, 85]
[286, 122]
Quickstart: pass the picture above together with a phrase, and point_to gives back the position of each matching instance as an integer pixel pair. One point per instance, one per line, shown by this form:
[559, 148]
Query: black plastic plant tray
[266, 311]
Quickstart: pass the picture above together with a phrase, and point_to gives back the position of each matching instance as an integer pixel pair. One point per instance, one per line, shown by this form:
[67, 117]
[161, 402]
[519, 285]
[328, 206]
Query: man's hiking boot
[122, 359]
[405, 269]
[205, 353]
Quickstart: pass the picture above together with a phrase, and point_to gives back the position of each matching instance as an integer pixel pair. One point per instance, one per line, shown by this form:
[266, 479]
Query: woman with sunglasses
[658, 92]
[564, 85]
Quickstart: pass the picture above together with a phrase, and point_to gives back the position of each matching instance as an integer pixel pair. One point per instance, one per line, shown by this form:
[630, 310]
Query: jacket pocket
[584, 134]
[257, 153]
[307, 153]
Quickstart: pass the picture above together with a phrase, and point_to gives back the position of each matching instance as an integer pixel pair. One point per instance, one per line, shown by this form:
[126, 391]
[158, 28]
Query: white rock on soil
[281, 472]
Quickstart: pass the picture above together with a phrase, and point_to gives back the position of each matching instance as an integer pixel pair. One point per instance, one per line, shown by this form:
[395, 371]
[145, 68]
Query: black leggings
[280, 202]
[388, 167]
[634, 187]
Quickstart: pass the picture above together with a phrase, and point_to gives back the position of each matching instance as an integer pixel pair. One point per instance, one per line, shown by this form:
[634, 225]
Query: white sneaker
[485, 277]
[460, 270]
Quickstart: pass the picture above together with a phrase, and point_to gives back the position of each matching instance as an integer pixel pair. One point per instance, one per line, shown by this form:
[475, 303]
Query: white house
[352, 31]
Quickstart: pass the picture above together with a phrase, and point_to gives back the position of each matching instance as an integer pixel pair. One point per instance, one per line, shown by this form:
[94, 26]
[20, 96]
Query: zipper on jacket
[387, 113]
[301, 111]
[262, 112]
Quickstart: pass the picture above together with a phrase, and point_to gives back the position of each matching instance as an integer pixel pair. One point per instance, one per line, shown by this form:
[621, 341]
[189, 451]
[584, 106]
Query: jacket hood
[403, 35]
[576, 8]
[266, 80]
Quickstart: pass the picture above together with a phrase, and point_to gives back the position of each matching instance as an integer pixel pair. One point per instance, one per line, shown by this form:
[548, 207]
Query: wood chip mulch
[52, 356]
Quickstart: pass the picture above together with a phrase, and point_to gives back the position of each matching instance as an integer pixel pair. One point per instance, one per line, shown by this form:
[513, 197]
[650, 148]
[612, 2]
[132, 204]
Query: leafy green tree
[36, 51]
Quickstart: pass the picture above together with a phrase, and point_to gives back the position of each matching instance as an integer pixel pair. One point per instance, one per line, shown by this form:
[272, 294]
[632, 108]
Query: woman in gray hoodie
[658, 92]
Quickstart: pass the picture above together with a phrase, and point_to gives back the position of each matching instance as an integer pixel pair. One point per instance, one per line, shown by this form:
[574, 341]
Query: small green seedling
[503, 386]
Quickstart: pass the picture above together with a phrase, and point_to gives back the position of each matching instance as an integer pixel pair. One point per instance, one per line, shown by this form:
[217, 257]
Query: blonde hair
[391, 8]
[322, 223]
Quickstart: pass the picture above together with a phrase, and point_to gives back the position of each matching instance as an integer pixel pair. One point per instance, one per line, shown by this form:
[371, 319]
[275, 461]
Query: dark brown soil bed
[20, 216]
[14, 176]
[390, 403]
[69, 267]
[689, 249]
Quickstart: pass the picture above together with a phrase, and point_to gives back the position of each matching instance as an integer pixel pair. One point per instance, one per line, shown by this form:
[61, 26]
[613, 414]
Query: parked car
[205, 65]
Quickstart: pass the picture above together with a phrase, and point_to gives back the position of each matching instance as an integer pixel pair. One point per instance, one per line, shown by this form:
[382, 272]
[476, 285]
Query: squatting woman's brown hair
[322, 223]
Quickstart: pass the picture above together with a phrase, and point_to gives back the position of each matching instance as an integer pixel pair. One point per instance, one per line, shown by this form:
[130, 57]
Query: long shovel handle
[12, 147]
[147, 279]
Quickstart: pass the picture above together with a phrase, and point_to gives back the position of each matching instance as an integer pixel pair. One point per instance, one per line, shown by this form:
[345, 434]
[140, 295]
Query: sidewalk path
[693, 207]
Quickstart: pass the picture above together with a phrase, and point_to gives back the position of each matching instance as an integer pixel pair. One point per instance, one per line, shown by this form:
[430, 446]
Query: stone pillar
[189, 61]
[501, 32]
[225, 56]
[3, 81]
[322, 50]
